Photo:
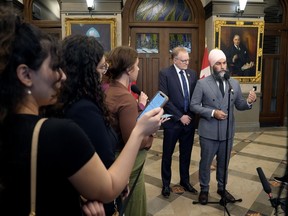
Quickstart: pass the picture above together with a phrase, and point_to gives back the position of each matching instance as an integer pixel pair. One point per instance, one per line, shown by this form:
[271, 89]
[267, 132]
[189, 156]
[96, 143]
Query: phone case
[158, 100]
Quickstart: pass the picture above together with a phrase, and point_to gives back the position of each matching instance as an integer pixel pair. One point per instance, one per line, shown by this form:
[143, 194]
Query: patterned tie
[185, 89]
[221, 87]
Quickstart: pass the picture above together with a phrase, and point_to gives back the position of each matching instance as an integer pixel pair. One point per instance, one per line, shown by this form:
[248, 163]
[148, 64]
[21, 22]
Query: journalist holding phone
[178, 83]
[159, 100]
[123, 69]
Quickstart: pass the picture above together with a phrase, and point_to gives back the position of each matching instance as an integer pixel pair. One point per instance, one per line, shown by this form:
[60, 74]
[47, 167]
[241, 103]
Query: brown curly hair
[81, 55]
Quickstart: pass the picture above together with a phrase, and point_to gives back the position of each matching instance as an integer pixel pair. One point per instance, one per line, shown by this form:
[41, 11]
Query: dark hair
[21, 43]
[81, 55]
[120, 59]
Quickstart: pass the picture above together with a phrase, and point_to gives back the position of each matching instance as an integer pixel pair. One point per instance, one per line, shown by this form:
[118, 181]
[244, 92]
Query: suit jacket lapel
[215, 88]
[212, 84]
[226, 89]
[188, 74]
[189, 77]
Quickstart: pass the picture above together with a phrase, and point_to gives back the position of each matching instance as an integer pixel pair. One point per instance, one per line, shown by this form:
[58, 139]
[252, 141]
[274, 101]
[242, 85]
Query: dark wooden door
[272, 109]
[151, 63]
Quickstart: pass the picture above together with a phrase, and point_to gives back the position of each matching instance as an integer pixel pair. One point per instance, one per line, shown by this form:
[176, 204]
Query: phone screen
[159, 100]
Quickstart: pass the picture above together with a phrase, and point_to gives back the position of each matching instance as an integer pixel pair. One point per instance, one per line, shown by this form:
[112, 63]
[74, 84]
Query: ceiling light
[90, 5]
[241, 7]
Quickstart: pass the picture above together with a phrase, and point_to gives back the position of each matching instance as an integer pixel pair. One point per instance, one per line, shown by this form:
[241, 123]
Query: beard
[219, 75]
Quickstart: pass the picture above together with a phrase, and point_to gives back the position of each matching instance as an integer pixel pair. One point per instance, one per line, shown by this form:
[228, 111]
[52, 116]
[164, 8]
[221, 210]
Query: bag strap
[34, 150]
[122, 211]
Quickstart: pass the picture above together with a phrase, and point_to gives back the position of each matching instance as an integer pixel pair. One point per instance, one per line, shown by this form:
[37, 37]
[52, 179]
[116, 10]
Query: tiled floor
[266, 149]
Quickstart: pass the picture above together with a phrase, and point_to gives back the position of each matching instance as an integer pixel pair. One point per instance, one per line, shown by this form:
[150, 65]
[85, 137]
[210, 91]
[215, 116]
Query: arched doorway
[44, 14]
[155, 27]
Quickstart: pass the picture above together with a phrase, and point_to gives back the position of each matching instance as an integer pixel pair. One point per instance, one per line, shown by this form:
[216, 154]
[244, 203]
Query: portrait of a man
[238, 58]
[240, 47]
[242, 43]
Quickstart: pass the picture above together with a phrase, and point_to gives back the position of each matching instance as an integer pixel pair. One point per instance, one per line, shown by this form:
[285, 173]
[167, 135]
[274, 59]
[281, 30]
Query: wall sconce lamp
[90, 5]
[241, 7]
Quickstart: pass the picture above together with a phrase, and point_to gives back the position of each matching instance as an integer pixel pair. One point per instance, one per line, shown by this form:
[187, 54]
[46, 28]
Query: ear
[24, 75]
[128, 71]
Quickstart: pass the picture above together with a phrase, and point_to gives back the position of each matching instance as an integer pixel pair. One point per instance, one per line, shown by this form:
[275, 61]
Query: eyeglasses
[183, 61]
[103, 67]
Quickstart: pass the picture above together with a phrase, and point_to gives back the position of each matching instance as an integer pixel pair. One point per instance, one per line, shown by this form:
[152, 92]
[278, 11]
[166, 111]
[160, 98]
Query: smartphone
[159, 100]
[166, 116]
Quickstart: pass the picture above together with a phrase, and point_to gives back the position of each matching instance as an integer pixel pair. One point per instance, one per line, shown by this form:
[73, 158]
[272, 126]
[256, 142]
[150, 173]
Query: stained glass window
[163, 10]
[179, 39]
[147, 43]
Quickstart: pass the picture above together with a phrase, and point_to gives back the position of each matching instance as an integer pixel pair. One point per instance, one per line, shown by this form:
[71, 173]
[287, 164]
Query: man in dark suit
[238, 59]
[212, 105]
[178, 83]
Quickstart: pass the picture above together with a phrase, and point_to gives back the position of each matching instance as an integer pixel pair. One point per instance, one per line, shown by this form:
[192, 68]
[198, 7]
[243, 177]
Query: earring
[29, 92]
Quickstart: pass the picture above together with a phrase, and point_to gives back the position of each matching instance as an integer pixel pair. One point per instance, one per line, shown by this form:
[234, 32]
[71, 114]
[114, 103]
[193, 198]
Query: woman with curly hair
[84, 63]
[67, 165]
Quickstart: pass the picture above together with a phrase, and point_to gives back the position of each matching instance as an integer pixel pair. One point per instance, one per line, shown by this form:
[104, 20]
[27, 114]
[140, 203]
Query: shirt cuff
[212, 114]
[249, 105]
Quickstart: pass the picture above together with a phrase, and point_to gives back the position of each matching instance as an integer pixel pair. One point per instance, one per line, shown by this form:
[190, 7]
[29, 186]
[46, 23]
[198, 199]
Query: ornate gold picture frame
[103, 29]
[245, 59]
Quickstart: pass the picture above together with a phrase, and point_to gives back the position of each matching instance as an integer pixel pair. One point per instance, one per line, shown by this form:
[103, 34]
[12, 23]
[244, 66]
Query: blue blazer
[169, 83]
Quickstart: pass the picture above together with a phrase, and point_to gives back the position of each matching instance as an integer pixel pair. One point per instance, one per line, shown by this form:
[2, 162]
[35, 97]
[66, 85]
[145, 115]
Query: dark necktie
[185, 89]
[221, 87]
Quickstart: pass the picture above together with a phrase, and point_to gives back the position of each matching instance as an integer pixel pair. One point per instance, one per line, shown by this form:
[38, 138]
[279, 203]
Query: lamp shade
[242, 4]
[90, 3]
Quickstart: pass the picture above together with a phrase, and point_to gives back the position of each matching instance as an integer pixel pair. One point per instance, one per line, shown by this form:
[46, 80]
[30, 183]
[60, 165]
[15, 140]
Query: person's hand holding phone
[159, 100]
[149, 122]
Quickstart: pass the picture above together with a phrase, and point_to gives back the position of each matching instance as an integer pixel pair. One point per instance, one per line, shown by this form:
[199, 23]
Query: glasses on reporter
[103, 67]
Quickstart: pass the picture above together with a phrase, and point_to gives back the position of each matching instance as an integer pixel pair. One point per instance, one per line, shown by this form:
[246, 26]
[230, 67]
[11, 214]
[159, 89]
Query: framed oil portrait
[242, 43]
[103, 29]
